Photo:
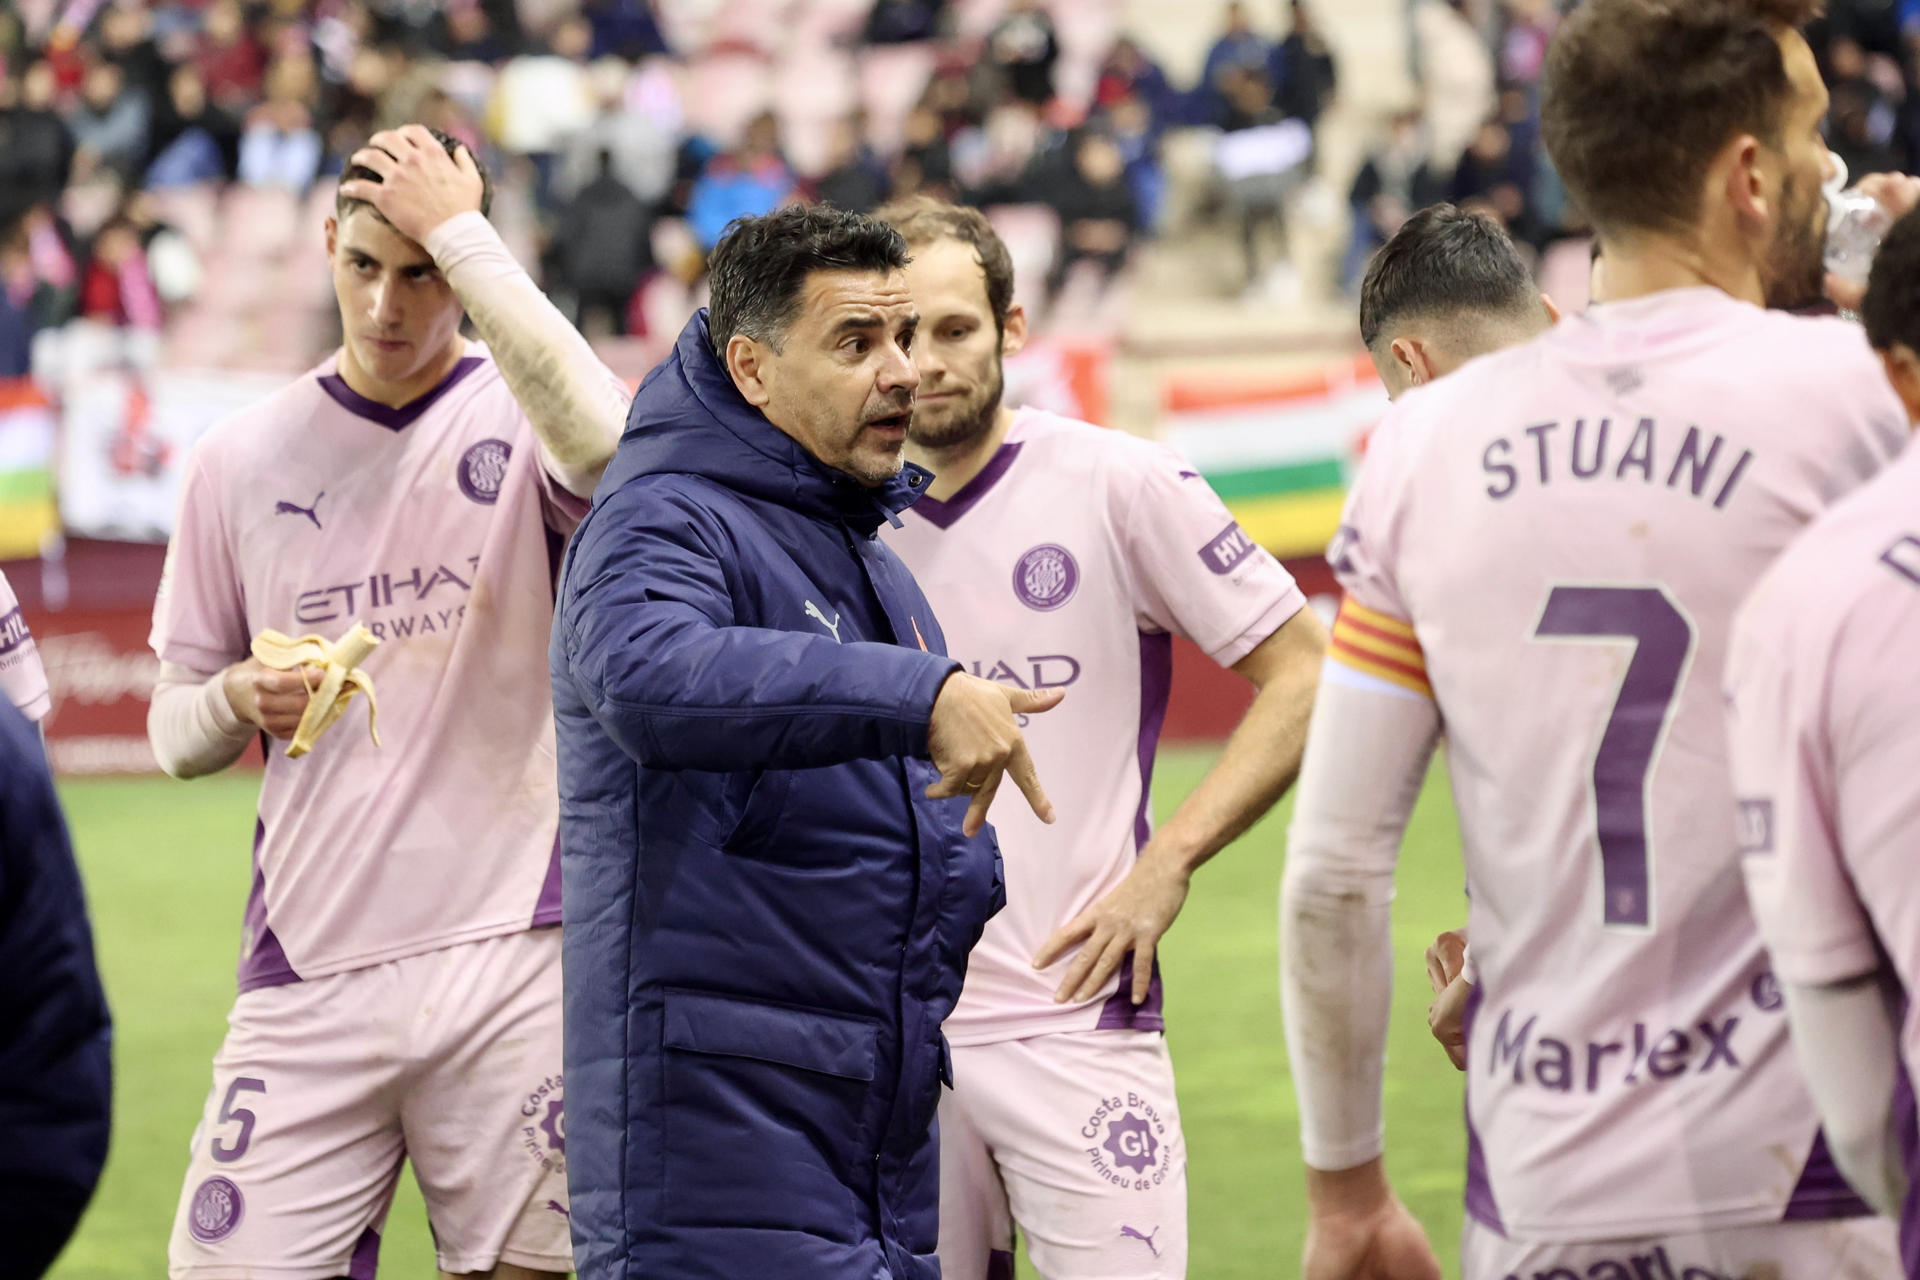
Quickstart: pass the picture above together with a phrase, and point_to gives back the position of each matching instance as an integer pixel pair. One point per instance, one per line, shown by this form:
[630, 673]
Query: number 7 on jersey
[1662, 641]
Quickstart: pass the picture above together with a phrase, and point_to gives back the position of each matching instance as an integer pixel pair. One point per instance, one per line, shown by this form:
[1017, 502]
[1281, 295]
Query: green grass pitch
[166, 870]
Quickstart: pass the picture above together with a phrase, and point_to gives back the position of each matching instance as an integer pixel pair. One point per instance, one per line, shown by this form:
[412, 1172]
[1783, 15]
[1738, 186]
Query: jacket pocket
[760, 810]
[764, 1110]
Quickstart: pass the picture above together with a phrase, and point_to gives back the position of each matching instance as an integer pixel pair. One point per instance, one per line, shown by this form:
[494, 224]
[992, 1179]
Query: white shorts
[1075, 1136]
[1829, 1249]
[322, 1088]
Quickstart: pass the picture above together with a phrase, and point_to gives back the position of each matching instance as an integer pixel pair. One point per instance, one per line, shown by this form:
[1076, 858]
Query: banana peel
[340, 678]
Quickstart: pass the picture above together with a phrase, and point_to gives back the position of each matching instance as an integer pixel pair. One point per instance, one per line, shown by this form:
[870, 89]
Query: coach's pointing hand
[420, 186]
[974, 738]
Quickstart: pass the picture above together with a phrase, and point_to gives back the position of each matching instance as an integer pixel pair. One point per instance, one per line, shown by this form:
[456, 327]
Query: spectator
[605, 244]
[1239, 48]
[1303, 69]
[1496, 177]
[642, 143]
[1394, 183]
[1862, 119]
[1131, 124]
[1247, 100]
[750, 180]
[126, 38]
[109, 123]
[1099, 218]
[1262, 159]
[1530, 25]
[36, 147]
[468, 35]
[116, 289]
[1022, 47]
[623, 29]
[542, 99]
[193, 140]
[1129, 73]
[926, 158]
[992, 160]
[855, 180]
[281, 147]
[231, 61]
[902, 21]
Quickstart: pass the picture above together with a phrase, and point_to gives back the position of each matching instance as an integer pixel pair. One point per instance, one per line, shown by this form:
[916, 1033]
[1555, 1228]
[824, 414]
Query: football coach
[773, 787]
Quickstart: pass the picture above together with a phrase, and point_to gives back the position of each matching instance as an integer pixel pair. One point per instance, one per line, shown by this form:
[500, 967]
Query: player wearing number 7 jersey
[1542, 554]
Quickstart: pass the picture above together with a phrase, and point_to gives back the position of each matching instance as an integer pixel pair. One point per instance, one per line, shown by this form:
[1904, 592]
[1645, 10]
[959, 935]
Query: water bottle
[1856, 223]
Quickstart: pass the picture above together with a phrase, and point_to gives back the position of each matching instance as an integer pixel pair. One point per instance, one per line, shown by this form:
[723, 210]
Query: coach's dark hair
[924, 220]
[1638, 96]
[1892, 309]
[1444, 261]
[342, 205]
[760, 266]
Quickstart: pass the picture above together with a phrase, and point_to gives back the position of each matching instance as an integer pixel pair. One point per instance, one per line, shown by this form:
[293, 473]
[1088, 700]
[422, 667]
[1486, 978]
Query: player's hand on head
[974, 739]
[420, 186]
[271, 700]
[1131, 919]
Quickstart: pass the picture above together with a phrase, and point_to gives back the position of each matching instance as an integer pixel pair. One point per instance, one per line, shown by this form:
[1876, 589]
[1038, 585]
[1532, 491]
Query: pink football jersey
[1070, 562]
[437, 526]
[23, 680]
[1824, 718]
[1567, 527]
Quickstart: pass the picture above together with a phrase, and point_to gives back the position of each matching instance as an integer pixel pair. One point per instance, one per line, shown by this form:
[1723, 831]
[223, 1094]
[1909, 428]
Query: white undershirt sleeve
[576, 405]
[1366, 760]
[191, 725]
[1849, 1050]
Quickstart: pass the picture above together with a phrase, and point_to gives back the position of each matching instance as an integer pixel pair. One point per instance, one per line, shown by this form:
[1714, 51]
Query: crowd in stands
[1474, 138]
[139, 139]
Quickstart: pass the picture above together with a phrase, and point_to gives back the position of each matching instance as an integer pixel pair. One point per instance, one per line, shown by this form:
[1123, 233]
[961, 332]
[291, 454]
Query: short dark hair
[923, 221]
[761, 264]
[1891, 311]
[1639, 95]
[1443, 261]
[343, 205]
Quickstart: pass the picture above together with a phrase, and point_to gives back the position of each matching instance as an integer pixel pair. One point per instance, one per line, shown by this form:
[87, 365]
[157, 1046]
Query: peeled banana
[341, 676]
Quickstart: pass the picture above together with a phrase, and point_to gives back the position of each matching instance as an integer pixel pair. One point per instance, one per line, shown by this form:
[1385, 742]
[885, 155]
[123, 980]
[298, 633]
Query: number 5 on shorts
[229, 1113]
[1662, 641]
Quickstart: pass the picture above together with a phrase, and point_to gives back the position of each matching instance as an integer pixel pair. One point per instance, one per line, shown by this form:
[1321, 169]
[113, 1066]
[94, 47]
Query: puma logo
[813, 611]
[284, 508]
[1128, 1233]
[561, 1209]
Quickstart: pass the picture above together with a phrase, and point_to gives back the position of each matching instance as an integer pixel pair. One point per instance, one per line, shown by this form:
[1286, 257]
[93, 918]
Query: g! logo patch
[1046, 577]
[217, 1209]
[483, 469]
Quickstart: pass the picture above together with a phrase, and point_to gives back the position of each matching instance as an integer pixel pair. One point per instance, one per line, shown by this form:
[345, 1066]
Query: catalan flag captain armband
[1379, 647]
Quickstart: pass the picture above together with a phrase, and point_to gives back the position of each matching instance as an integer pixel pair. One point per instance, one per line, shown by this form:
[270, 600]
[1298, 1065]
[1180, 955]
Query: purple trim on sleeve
[1481, 1206]
[1822, 1192]
[546, 909]
[1906, 1127]
[944, 513]
[1000, 1264]
[263, 962]
[365, 1262]
[386, 415]
[1120, 1013]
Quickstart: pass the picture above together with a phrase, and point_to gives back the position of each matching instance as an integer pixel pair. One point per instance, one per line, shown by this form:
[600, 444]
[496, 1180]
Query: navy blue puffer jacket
[766, 920]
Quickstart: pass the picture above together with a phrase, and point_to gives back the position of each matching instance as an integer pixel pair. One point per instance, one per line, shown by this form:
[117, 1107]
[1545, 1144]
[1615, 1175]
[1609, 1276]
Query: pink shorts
[1832, 1249]
[1075, 1136]
[450, 1059]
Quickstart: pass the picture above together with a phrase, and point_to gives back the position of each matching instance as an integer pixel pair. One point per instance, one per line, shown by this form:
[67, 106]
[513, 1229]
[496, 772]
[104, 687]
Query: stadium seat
[722, 91]
[1032, 233]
